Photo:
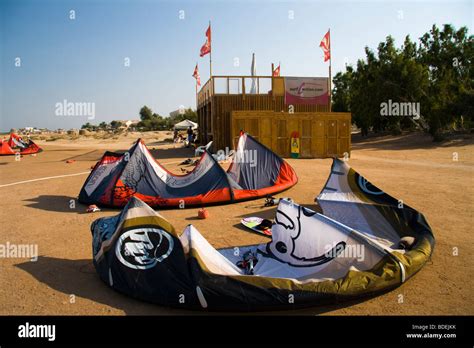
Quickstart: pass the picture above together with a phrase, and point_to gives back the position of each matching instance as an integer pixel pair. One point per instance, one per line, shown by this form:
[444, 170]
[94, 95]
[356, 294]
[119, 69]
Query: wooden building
[225, 107]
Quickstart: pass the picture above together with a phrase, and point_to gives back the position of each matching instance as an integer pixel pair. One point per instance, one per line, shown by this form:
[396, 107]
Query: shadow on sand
[60, 204]
[56, 203]
[162, 142]
[159, 154]
[78, 277]
[94, 155]
[409, 141]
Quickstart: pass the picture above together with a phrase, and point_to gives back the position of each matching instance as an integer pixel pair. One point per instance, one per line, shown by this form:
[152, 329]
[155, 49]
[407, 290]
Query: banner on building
[306, 90]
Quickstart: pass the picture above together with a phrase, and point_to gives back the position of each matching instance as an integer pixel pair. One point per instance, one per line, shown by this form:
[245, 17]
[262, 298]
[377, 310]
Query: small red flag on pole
[196, 75]
[276, 72]
[326, 46]
[206, 48]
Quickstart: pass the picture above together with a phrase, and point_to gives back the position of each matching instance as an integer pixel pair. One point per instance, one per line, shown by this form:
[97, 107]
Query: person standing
[175, 135]
[190, 135]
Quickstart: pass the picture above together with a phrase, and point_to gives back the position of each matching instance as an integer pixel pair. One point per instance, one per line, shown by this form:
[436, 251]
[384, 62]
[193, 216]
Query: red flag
[206, 48]
[276, 72]
[196, 75]
[326, 46]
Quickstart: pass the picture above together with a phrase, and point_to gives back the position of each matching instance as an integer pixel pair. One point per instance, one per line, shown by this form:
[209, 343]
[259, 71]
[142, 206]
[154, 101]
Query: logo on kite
[144, 247]
[367, 187]
[288, 245]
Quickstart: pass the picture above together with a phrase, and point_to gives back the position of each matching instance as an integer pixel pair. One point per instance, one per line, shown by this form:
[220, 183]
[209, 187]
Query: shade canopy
[183, 125]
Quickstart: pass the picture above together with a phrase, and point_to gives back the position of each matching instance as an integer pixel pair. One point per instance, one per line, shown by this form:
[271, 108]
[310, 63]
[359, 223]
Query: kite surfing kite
[255, 172]
[364, 242]
[5, 149]
[16, 145]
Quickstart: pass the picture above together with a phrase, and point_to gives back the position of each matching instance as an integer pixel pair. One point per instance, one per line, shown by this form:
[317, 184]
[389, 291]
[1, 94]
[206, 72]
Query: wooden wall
[322, 134]
[214, 115]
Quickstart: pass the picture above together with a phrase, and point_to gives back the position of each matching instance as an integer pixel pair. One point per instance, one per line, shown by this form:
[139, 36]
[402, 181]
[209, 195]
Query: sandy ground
[63, 280]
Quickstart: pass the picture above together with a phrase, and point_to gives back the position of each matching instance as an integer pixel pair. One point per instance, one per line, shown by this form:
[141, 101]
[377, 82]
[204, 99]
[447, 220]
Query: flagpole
[210, 53]
[197, 102]
[330, 72]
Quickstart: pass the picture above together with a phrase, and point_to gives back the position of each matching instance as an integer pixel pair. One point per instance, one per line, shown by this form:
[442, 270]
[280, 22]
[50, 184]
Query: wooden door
[319, 138]
[305, 138]
[344, 137]
[252, 127]
[331, 130]
[266, 131]
[282, 139]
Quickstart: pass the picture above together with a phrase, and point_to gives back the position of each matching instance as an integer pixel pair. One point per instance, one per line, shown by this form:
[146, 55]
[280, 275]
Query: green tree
[340, 92]
[449, 55]
[145, 113]
[187, 114]
[115, 124]
[154, 121]
[436, 73]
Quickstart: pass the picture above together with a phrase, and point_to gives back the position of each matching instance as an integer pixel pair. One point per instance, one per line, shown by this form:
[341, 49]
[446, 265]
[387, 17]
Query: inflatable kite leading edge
[255, 172]
[16, 142]
[363, 244]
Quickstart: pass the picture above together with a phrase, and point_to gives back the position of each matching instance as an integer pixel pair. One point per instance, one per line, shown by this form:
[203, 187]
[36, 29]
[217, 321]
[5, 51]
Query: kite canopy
[255, 171]
[312, 258]
[31, 149]
[15, 142]
[5, 149]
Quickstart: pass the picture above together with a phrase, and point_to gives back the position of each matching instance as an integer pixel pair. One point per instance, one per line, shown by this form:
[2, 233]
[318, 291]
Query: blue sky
[82, 60]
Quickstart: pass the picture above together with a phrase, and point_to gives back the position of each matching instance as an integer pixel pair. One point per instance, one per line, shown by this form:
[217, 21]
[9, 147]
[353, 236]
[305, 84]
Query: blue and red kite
[255, 172]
